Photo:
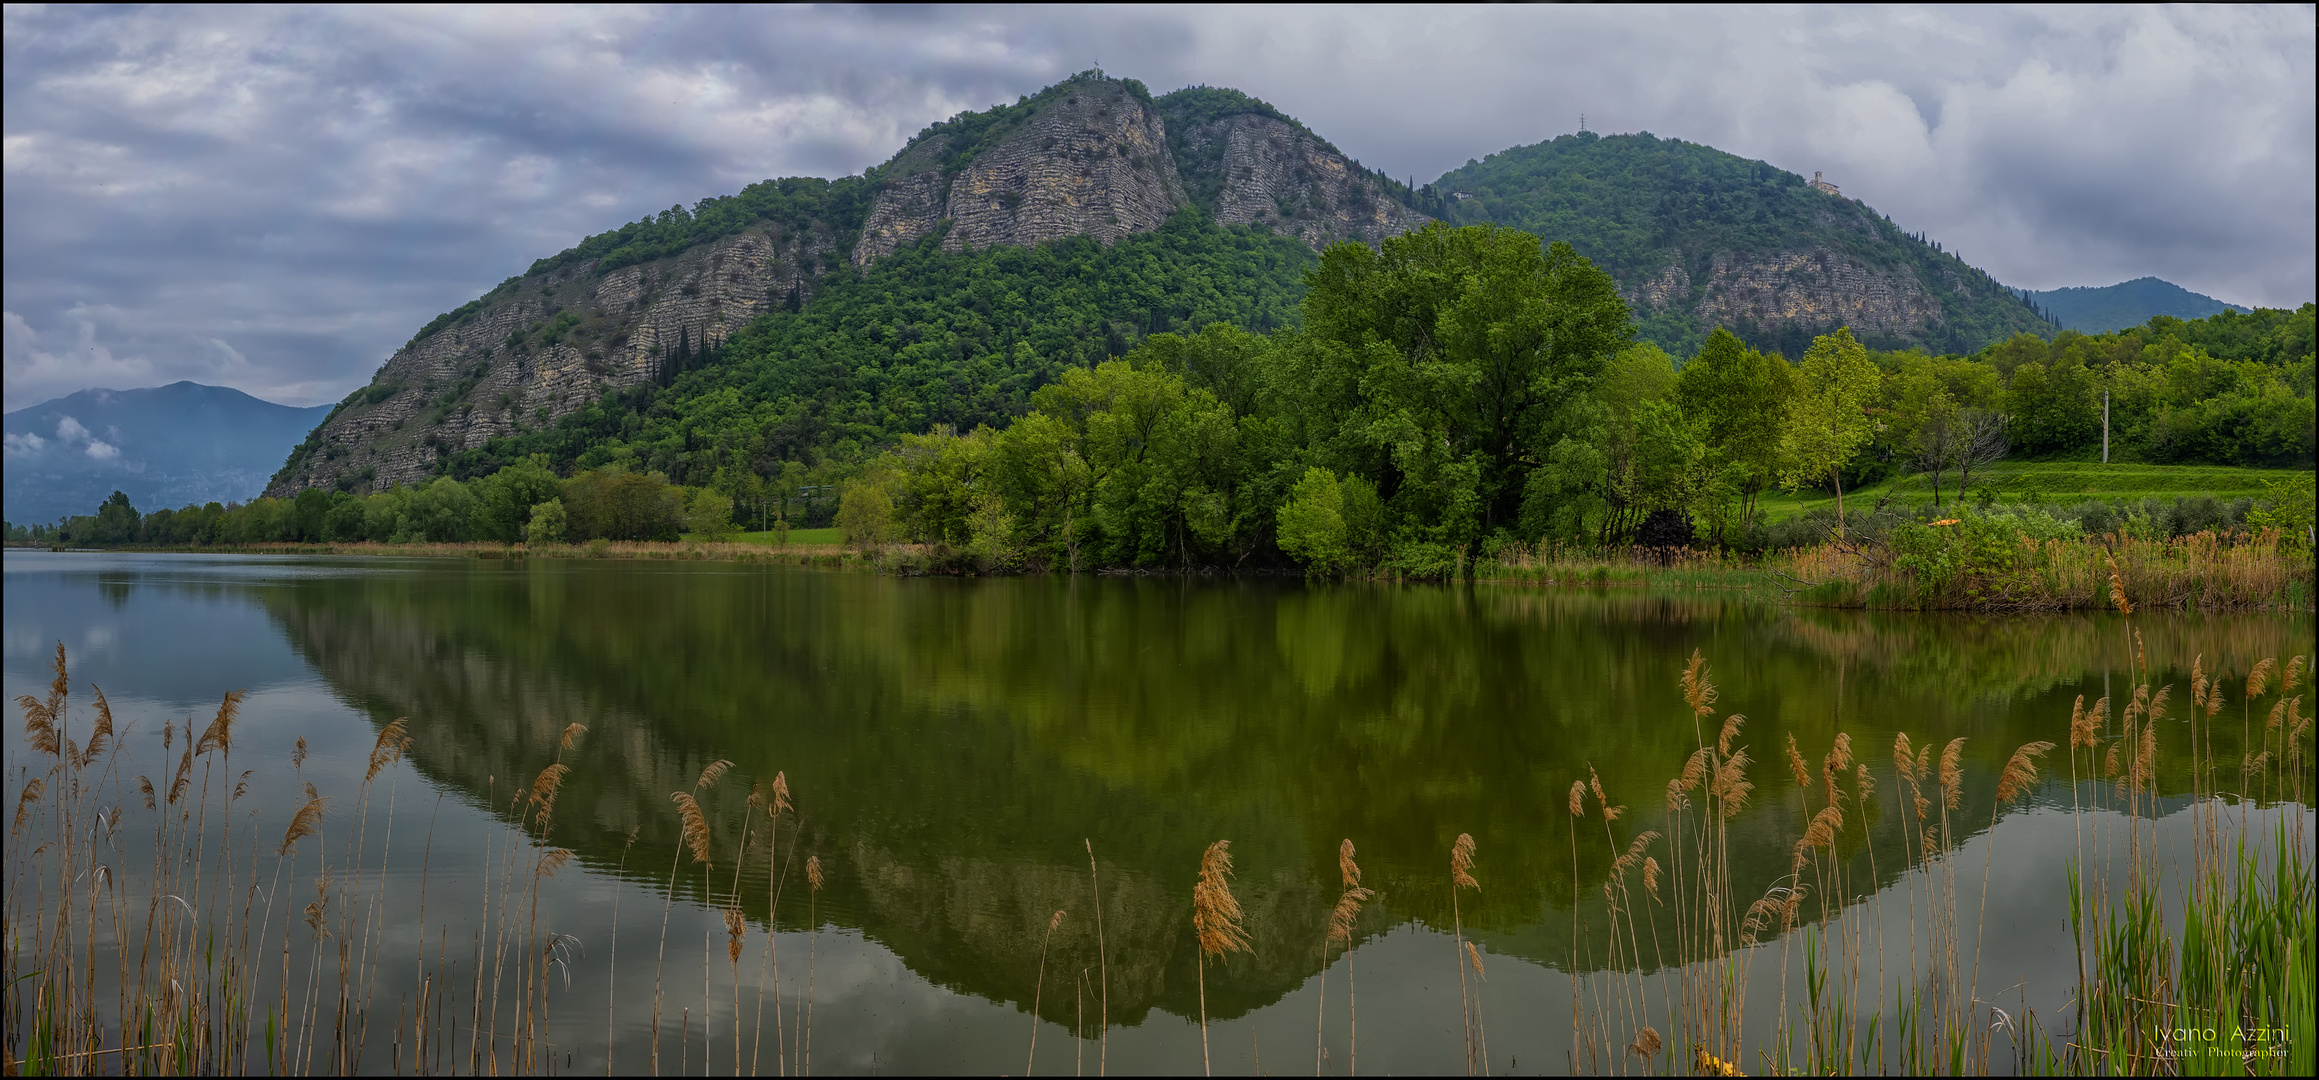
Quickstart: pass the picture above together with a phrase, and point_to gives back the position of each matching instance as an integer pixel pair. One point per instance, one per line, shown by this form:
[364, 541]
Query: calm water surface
[954, 747]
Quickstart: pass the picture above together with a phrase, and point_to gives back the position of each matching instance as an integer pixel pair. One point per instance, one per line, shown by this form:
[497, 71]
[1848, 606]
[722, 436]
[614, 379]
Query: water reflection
[955, 746]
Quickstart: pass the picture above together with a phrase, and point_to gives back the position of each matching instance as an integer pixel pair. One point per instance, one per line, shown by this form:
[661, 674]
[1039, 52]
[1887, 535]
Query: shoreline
[2254, 577]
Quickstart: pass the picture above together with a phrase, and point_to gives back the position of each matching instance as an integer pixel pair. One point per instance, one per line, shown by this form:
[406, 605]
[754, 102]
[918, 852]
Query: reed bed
[180, 940]
[223, 950]
[2223, 984]
[2207, 571]
[1662, 568]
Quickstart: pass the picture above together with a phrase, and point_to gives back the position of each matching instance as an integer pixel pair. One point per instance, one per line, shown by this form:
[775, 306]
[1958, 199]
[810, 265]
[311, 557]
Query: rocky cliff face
[1094, 158]
[1091, 161]
[1090, 156]
[1266, 172]
[1819, 288]
[546, 346]
[1699, 238]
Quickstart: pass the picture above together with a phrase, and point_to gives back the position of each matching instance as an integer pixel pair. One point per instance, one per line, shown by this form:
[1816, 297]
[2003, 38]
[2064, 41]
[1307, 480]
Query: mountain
[2126, 304]
[1091, 157]
[163, 447]
[1698, 238]
[1000, 247]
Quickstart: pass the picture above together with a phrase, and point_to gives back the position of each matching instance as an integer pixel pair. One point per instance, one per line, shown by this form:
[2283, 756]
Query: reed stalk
[1461, 863]
[813, 878]
[1103, 967]
[1215, 926]
[1340, 933]
[1039, 992]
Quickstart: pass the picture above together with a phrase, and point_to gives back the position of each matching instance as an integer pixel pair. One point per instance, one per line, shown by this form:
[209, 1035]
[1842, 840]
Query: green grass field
[2055, 482]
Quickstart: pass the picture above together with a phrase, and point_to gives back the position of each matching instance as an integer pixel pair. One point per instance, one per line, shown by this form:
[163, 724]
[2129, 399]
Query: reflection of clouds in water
[22, 641]
[182, 628]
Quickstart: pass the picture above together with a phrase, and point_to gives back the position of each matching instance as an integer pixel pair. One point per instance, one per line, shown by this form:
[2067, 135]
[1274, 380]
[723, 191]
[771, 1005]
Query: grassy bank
[2049, 482]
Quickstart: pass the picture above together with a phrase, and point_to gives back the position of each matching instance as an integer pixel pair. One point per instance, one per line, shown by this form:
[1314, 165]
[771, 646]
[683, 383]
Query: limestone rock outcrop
[1094, 161]
[1270, 173]
[1817, 288]
[1091, 156]
[547, 347]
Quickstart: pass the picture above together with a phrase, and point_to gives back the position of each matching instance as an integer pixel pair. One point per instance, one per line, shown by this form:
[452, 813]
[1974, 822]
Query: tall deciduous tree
[1742, 396]
[1465, 346]
[1827, 419]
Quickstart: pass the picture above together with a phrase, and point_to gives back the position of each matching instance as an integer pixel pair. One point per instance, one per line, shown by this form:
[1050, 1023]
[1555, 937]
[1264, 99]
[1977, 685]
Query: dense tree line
[522, 503]
[1464, 389]
[1406, 408]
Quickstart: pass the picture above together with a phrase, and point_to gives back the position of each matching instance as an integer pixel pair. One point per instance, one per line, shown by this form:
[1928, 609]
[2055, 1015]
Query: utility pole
[2105, 427]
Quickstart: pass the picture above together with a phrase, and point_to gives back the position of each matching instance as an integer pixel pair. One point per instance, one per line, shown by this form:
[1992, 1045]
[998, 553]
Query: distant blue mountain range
[2090, 310]
[163, 447]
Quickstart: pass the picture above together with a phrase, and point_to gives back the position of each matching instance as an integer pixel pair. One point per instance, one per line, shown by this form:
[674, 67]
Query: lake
[955, 749]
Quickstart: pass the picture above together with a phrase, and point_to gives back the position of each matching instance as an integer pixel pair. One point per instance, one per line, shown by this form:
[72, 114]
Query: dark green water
[954, 747]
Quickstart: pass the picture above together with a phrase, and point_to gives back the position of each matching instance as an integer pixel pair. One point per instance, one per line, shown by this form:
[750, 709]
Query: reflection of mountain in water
[951, 743]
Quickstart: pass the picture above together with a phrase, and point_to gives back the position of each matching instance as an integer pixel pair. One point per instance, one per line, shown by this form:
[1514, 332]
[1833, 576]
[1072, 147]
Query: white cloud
[313, 184]
[25, 443]
[69, 430]
[102, 450]
[35, 373]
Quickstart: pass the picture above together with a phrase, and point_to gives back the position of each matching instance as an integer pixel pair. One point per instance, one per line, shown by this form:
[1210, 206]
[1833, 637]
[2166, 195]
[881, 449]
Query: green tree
[1312, 522]
[2288, 507]
[1741, 395]
[1460, 350]
[307, 513]
[116, 520]
[545, 524]
[1163, 461]
[865, 515]
[709, 514]
[1827, 419]
[344, 522]
[505, 498]
[443, 511]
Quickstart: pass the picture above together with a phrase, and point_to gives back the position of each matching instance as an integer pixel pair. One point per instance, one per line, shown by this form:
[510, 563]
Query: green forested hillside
[921, 338]
[1637, 205]
[1604, 341]
[1461, 391]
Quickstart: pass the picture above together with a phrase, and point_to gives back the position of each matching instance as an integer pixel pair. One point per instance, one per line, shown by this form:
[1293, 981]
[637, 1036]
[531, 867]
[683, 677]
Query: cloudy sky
[275, 198]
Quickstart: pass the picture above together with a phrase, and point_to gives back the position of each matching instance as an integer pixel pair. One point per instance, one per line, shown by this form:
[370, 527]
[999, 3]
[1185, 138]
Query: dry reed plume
[291, 984]
[1461, 864]
[1215, 925]
[1342, 917]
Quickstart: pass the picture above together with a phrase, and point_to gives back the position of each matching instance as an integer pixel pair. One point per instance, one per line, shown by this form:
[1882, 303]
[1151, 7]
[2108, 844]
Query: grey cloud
[274, 199]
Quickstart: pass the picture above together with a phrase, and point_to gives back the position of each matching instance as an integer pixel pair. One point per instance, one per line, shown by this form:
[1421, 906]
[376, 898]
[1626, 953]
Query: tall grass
[207, 948]
[1215, 926]
[2235, 570]
[222, 950]
[2205, 571]
[2235, 961]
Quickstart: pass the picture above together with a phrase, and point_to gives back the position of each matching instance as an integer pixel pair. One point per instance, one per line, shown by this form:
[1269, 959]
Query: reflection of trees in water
[956, 740]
